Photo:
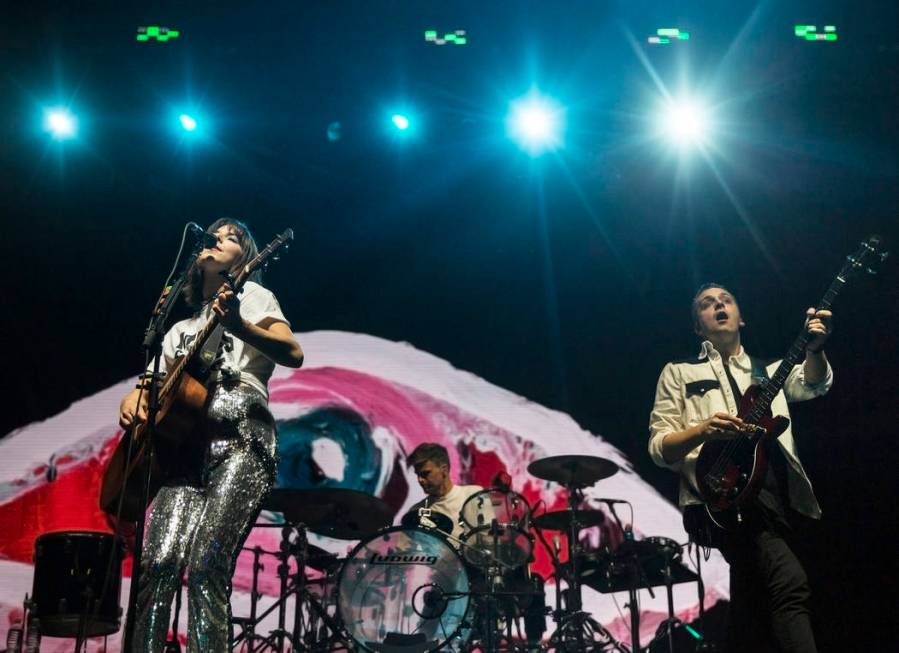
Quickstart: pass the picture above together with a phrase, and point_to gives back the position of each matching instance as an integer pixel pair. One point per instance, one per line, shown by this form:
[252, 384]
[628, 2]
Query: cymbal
[334, 512]
[560, 520]
[573, 470]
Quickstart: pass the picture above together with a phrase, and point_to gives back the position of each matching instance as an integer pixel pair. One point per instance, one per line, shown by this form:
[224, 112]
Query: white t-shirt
[450, 504]
[238, 360]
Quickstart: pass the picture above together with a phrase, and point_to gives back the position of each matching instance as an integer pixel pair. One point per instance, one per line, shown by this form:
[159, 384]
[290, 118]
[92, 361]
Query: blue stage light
[400, 121]
[684, 122]
[536, 123]
[60, 123]
[189, 123]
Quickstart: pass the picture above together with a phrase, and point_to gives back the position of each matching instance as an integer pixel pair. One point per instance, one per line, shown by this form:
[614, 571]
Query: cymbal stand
[576, 629]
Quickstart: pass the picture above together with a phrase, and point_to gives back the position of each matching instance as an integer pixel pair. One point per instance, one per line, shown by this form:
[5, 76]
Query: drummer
[432, 469]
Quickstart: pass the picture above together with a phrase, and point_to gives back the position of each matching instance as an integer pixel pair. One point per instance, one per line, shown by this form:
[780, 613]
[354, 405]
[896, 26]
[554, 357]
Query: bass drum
[72, 588]
[404, 590]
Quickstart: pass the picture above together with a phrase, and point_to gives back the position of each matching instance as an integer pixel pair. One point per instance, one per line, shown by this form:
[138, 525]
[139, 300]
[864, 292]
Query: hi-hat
[560, 520]
[335, 512]
[573, 470]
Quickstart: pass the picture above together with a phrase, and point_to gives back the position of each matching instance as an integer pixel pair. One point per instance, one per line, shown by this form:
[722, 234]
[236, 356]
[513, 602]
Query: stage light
[161, 34]
[60, 123]
[189, 123]
[684, 122]
[811, 33]
[457, 37]
[666, 35]
[536, 123]
[400, 121]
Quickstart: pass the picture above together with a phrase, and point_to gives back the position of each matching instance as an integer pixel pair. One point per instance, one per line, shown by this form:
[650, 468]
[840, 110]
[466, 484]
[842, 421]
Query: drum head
[498, 524]
[399, 592]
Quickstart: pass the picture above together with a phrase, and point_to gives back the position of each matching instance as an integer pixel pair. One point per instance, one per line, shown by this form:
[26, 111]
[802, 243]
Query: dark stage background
[566, 279]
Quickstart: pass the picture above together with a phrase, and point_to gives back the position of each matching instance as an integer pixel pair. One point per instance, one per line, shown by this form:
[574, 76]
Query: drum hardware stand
[173, 645]
[632, 605]
[83, 618]
[276, 638]
[572, 622]
[666, 628]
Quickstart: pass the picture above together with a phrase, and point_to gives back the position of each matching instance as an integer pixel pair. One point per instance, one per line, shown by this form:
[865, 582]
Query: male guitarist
[697, 401]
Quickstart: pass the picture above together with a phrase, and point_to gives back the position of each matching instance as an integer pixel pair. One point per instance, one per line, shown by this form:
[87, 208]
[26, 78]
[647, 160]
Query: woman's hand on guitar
[130, 413]
[227, 308]
[722, 426]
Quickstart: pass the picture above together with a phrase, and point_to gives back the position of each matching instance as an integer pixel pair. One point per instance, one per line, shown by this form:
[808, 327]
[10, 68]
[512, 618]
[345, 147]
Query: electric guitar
[182, 403]
[729, 473]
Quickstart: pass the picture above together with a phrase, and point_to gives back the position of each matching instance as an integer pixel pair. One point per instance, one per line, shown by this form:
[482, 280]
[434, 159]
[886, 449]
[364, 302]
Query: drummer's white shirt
[450, 504]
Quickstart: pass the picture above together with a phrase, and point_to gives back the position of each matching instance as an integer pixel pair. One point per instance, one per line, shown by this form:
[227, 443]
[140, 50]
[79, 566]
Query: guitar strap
[201, 366]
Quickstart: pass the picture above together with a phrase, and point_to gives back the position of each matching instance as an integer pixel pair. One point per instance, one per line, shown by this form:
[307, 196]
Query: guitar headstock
[271, 252]
[868, 256]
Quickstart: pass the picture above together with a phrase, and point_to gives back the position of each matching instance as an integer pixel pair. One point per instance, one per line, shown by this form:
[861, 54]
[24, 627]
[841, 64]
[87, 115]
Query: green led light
[161, 34]
[664, 41]
[667, 31]
[684, 36]
[830, 37]
[830, 28]
[692, 632]
[456, 37]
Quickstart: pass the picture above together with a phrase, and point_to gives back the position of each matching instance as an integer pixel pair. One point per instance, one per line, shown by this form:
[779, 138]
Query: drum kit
[416, 588]
[412, 588]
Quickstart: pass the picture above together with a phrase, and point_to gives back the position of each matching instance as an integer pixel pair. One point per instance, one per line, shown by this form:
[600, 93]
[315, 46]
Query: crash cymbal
[573, 470]
[560, 520]
[334, 512]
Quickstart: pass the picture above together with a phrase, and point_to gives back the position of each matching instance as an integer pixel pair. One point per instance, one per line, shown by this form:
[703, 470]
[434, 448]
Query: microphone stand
[152, 345]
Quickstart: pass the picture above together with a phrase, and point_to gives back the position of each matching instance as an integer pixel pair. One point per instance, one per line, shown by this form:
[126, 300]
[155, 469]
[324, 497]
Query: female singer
[201, 517]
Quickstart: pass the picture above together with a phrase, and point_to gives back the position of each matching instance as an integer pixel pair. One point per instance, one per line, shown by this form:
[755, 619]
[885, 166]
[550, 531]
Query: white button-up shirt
[691, 391]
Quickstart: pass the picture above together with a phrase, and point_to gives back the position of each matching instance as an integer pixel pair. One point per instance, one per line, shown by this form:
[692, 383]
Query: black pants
[769, 608]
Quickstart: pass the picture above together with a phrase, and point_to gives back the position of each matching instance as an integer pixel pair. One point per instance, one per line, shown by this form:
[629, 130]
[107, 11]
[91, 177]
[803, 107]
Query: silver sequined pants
[200, 526]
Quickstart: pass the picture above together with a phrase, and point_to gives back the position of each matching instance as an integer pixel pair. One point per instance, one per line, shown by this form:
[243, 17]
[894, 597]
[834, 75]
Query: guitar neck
[173, 376]
[796, 353]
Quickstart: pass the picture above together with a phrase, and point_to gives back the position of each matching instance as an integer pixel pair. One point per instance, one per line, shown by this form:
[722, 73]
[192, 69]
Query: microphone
[208, 239]
[502, 481]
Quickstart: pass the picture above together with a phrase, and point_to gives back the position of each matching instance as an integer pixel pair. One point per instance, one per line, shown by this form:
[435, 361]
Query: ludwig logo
[403, 559]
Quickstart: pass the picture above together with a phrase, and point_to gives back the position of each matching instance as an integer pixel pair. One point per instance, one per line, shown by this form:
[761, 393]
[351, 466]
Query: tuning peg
[884, 256]
[870, 270]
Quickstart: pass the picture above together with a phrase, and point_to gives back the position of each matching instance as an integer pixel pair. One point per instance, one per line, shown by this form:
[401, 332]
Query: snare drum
[404, 590]
[498, 525]
[71, 583]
